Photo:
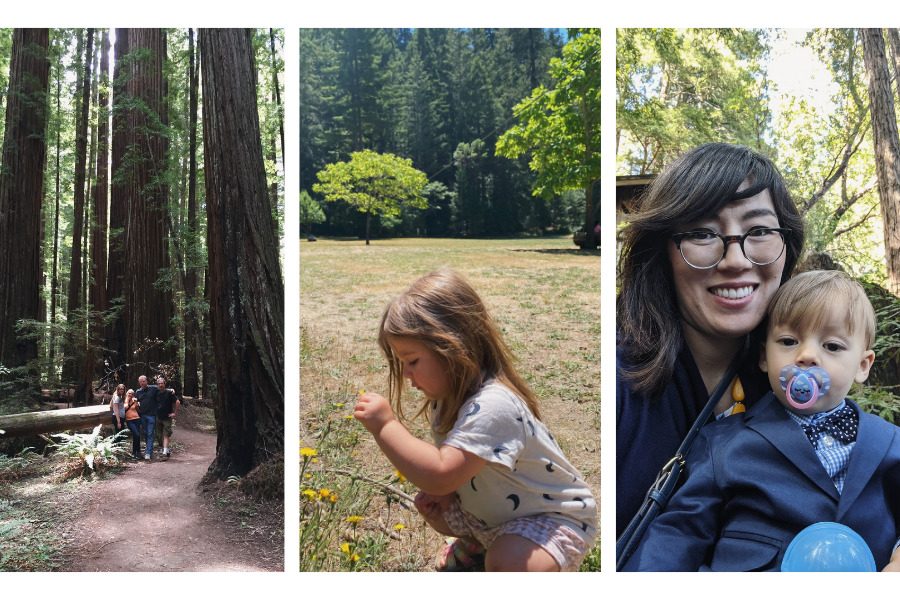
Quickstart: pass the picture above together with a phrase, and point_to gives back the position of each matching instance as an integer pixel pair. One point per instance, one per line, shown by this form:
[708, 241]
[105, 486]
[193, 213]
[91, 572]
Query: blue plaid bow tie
[841, 425]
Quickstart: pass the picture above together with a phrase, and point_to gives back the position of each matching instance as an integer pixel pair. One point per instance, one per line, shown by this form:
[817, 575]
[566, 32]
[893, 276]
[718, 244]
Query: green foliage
[374, 184]
[878, 401]
[420, 93]
[12, 467]
[561, 126]
[90, 453]
[310, 211]
[591, 562]
[676, 89]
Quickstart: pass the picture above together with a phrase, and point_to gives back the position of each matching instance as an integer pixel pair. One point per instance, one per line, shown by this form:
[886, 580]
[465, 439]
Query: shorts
[164, 426]
[559, 541]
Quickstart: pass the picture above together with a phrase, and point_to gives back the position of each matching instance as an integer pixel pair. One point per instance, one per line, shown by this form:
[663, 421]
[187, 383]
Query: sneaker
[146, 457]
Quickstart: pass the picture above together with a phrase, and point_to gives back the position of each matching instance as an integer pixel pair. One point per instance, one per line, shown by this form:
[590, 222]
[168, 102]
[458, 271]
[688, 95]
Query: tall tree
[76, 301]
[101, 201]
[118, 204]
[21, 179]
[561, 127]
[887, 148]
[148, 327]
[246, 290]
[192, 316]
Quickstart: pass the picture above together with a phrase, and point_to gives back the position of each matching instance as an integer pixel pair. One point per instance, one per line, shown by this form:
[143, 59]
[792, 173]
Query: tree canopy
[561, 126]
[432, 95]
[373, 184]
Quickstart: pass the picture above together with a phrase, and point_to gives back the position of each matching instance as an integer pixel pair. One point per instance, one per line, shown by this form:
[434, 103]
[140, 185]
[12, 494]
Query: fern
[90, 453]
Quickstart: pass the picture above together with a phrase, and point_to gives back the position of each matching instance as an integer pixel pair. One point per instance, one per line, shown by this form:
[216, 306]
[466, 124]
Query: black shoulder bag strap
[659, 493]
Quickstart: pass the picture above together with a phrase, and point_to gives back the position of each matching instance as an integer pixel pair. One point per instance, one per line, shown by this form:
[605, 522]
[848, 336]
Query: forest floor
[146, 515]
[544, 293]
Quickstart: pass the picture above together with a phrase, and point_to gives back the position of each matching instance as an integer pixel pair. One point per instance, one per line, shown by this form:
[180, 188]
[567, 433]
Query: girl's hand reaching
[373, 411]
[432, 508]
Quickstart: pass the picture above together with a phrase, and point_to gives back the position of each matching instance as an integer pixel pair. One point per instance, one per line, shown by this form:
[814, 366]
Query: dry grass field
[545, 294]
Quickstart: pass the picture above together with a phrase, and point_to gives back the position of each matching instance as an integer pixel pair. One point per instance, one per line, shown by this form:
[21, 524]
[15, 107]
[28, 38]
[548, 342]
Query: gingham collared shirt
[833, 454]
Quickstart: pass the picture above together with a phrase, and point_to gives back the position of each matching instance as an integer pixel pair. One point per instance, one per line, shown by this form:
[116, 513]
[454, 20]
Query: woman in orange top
[133, 420]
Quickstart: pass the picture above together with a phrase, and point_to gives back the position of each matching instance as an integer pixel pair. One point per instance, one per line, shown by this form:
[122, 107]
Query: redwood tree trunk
[147, 309]
[887, 148]
[75, 300]
[118, 212]
[192, 312]
[24, 156]
[100, 198]
[246, 291]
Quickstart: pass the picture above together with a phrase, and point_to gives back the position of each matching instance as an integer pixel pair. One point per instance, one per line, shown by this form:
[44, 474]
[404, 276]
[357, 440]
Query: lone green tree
[374, 184]
[561, 127]
[310, 212]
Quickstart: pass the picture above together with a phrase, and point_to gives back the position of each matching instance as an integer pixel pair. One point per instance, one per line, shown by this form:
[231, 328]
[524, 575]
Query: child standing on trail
[495, 476]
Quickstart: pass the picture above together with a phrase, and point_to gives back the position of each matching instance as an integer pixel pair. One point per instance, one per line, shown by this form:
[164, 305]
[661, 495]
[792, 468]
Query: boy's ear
[864, 366]
[763, 364]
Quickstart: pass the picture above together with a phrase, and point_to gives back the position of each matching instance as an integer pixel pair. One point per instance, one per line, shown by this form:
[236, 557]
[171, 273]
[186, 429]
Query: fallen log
[53, 421]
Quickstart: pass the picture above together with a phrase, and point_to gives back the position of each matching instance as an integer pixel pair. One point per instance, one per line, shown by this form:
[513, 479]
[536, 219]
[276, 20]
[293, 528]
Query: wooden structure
[628, 189]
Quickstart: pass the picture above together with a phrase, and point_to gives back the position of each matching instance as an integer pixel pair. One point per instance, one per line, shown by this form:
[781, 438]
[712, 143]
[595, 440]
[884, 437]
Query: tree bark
[101, 214]
[24, 156]
[118, 211]
[75, 300]
[52, 421]
[887, 148]
[246, 291]
[148, 310]
[192, 312]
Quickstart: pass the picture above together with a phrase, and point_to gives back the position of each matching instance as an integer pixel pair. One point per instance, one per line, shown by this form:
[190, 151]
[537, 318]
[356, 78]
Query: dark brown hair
[694, 187]
[443, 312]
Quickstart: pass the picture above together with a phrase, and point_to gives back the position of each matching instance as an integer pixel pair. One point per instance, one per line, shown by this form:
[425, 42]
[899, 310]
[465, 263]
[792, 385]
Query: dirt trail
[152, 517]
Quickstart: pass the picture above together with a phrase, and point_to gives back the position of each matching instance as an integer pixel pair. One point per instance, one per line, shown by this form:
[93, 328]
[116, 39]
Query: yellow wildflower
[315, 460]
[324, 492]
[399, 526]
[346, 548]
[340, 405]
[308, 476]
[354, 519]
[332, 498]
[348, 417]
[307, 452]
[400, 476]
[310, 494]
[354, 557]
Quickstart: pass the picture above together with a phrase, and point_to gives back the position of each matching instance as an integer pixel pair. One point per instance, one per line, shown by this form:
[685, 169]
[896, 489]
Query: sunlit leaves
[375, 184]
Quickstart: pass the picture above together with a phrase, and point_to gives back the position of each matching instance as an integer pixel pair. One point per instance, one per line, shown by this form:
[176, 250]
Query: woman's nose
[734, 257]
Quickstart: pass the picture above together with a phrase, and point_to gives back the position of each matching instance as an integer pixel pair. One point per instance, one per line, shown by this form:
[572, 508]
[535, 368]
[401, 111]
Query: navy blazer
[754, 482]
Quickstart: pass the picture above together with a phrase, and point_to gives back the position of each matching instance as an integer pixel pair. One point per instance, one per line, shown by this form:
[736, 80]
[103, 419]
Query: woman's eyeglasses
[704, 249]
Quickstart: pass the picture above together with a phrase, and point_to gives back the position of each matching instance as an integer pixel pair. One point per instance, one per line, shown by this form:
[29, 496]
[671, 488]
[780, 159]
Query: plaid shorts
[561, 542]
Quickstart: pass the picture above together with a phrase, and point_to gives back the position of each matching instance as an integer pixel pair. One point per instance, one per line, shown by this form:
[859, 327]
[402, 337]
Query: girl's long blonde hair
[443, 312]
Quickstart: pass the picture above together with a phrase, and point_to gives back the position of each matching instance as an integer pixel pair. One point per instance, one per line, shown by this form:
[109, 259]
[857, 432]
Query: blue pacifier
[804, 386]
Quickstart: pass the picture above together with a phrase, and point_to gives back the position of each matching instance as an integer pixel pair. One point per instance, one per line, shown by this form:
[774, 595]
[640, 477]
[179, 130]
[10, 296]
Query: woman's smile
[730, 299]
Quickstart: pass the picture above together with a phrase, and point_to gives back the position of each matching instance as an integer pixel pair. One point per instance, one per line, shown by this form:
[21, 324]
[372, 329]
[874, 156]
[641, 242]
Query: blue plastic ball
[828, 547]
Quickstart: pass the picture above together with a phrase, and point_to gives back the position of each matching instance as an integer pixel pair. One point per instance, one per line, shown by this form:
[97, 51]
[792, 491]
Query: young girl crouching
[495, 474]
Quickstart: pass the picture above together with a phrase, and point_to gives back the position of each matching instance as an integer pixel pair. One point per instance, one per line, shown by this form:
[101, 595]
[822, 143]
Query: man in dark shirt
[148, 396]
[165, 414]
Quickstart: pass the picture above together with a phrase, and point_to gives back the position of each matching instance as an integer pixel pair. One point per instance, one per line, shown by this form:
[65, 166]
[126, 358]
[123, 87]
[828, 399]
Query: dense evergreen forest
[441, 98]
[141, 204]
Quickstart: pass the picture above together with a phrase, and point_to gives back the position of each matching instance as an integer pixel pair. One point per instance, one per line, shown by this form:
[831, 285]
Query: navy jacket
[650, 430]
[754, 481]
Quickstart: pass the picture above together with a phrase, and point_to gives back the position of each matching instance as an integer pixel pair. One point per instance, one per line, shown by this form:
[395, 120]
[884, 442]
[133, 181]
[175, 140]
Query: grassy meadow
[355, 509]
